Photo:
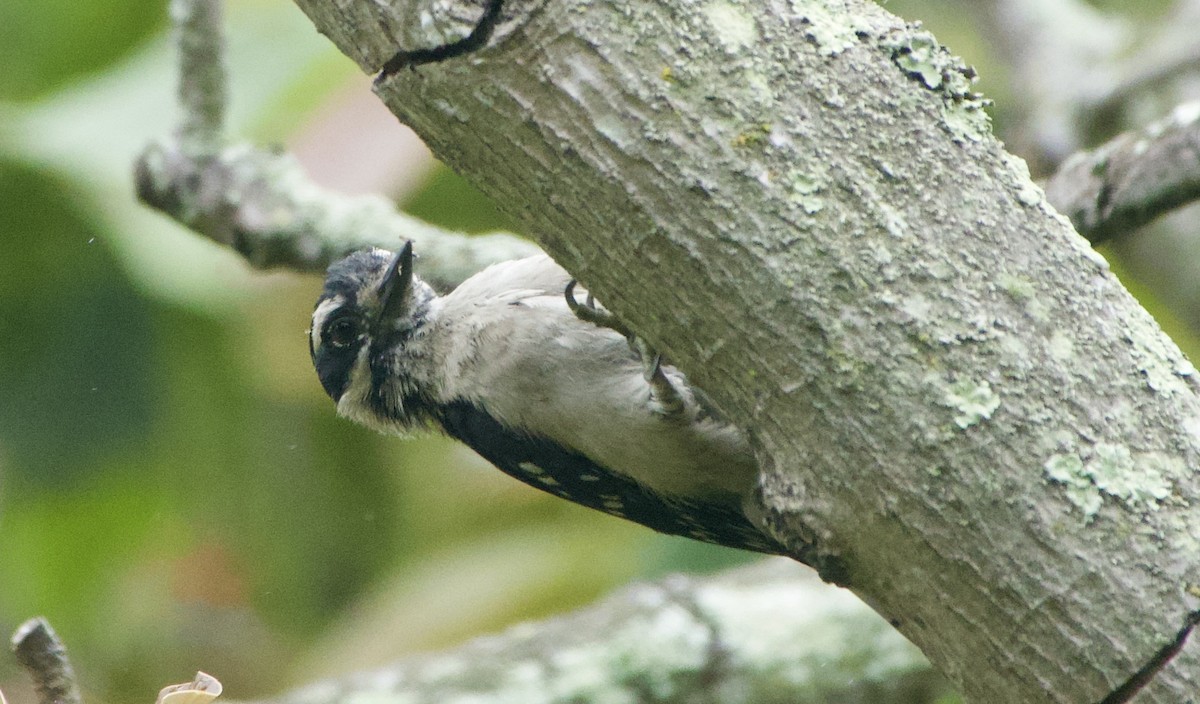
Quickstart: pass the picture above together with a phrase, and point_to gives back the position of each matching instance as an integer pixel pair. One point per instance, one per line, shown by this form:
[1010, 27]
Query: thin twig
[44, 657]
[1146, 72]
[202, 77]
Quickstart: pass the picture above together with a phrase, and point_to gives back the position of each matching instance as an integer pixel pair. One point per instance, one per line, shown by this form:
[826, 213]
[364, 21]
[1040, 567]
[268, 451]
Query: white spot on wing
[612, 502]
[531, 468]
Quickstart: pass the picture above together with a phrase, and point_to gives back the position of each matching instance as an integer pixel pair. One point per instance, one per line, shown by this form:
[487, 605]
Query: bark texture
[723, 640]
[957, 408]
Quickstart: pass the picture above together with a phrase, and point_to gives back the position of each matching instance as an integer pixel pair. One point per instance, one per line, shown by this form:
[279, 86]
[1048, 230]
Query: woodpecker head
[371, 309]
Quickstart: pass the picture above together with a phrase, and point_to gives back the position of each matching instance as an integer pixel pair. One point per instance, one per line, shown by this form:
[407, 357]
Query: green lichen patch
[1068, 470]
[1024, 292]
[1025, 190]
[1140, 481]
[1159, 360]
[1116, 473]
[918, 54]
[923, 57]
[1018, 288]
[974, 402]
[1061, 347]
[832, 35]
[1030, 194]
[805, 188]
[733, 27]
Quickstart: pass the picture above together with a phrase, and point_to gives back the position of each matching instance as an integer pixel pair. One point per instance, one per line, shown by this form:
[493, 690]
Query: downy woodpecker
[507, 364]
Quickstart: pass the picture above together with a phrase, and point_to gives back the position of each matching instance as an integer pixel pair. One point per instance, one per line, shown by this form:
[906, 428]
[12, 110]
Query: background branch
[1133, 179]
[1062, 55]
[44, 657]
[729, 639]
[202, 79]
[1162, 62]
[260, 203]
[766, 634]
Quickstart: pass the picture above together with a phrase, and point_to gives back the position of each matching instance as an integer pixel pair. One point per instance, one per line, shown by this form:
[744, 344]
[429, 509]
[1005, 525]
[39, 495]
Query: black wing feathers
[546, 465]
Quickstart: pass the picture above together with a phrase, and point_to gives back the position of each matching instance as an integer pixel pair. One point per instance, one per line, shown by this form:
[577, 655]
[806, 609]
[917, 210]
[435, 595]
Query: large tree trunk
[959, 412]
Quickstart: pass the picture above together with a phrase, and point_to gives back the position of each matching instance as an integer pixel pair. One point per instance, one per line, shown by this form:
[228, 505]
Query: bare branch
[768, 634]
[202, 77]
[261, 203]
[263, 206]
[1077, 68]
[44, 657]
[1166, 53]
[1060, 52]
[1132, 179]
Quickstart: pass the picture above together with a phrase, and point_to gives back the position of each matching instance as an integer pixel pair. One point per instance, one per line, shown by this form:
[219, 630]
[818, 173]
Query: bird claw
[666, 400]
[589, 312]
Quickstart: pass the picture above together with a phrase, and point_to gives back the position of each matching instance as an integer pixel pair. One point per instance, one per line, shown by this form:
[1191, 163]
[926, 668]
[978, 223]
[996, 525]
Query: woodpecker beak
[395, 291]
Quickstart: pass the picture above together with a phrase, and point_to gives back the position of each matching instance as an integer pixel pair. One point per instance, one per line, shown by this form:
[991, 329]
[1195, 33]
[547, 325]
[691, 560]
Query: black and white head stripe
[359, 272]
[340, 323]
[371, 307]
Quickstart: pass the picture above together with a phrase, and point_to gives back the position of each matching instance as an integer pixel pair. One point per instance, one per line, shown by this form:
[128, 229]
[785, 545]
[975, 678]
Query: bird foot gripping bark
[665, 399]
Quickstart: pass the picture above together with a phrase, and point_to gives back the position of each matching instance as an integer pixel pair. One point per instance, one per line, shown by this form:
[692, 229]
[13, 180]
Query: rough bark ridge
[955, 404]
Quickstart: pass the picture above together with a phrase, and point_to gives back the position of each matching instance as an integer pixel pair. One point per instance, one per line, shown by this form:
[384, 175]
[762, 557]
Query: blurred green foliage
[48, 43]
[60, 293]
[176, 492]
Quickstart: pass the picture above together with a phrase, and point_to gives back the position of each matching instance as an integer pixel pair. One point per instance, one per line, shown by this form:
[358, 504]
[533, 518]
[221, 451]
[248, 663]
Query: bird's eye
[342, 332]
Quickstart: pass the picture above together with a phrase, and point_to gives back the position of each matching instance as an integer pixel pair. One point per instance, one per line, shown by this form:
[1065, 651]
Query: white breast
[512, 346]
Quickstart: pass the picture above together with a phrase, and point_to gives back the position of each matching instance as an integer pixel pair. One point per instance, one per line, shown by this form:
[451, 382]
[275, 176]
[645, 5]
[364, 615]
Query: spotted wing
[546, 465]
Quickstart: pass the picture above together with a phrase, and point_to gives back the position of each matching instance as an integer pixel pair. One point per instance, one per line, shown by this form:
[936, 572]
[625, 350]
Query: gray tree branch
[259, 202]
[42, 654]
[726, 639]
[1132, 179]
[761, 635]
[955, 404]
